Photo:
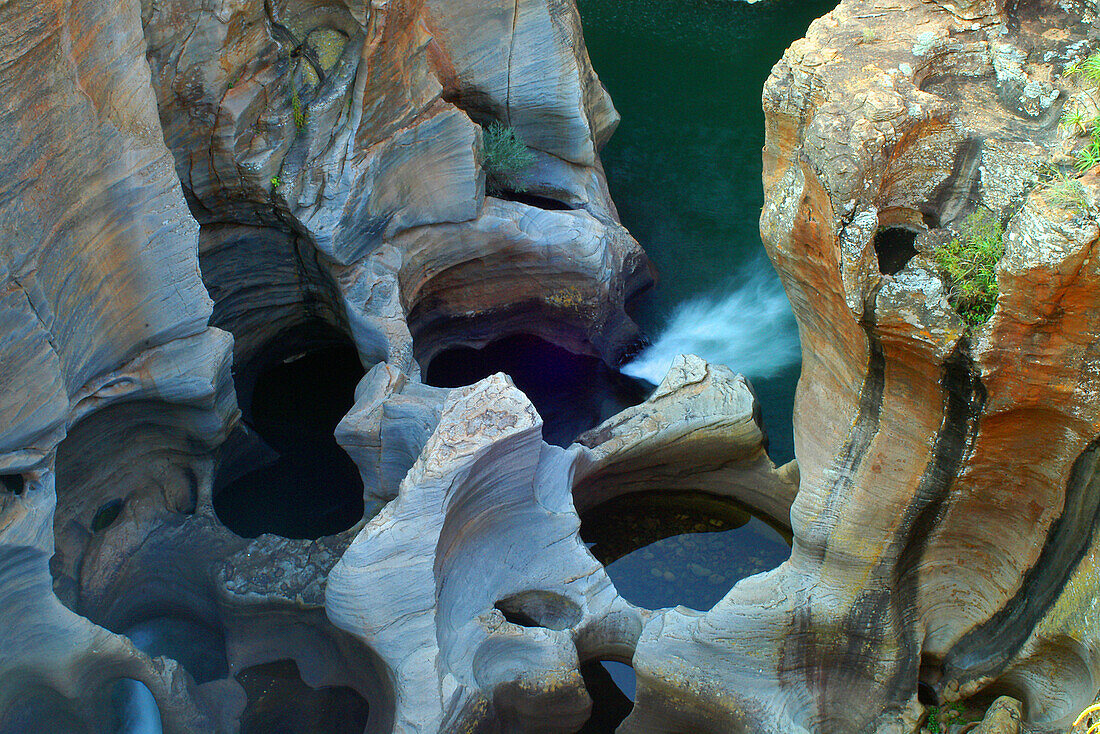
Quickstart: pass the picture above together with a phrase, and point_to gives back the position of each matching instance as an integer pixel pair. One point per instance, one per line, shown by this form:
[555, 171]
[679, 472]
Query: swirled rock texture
[319, 143]
[321, 164]
[944, 527]
[473, 586]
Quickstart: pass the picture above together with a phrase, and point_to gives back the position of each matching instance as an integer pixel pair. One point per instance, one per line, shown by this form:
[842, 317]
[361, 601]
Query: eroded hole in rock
[571, 392]
[926, 694]
[611, 686]
[280, 701]
[667, 548]
[895, 247]
[197, 646]
[106, 515]
[12, 483]
[535, 200]
[292, 396]
[540, 609]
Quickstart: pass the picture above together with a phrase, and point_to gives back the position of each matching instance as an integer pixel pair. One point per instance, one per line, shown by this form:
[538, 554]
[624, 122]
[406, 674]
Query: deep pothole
[663, 549]
[292, 396]
[280, 701]
[571, 392]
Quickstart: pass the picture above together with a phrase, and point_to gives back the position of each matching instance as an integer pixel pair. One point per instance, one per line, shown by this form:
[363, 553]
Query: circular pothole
[293, 395]
[663, 549]
[279, 702]
[197, 646]
[571, 392]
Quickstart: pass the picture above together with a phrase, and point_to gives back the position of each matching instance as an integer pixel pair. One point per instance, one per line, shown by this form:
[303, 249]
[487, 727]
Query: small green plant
[970, 259]
[1075, 119]
[274, 182]
[1067, 193]
[1088, 157]
[934, 720]
[505, 156]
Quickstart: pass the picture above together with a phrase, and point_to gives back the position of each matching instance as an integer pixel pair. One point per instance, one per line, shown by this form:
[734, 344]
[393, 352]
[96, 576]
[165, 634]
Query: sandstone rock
[511, 61]
[1003, 717]
[561, 275]
[482, 529]
[698, 431]
[909, 426]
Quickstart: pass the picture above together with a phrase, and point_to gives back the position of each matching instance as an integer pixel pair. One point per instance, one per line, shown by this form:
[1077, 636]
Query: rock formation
[944, 525]
[194, 192]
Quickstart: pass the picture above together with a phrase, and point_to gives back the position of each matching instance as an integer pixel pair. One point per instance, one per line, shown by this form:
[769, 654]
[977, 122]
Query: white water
[749, 328]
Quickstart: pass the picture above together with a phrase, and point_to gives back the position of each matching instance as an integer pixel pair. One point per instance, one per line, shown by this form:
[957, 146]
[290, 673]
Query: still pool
[663, 549]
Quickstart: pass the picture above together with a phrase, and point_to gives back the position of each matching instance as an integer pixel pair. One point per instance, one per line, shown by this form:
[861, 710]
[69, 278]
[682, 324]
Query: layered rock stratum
[184, 186]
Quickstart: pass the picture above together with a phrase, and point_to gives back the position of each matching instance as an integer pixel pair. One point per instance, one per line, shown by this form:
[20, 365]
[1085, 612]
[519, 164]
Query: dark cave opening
[536, 200]
[540, 609]
[572, 392]
[280, 702]
[611, 686]
[12, 482]
[895, 247]
[106, 515]
[662, 549]
[292, 396]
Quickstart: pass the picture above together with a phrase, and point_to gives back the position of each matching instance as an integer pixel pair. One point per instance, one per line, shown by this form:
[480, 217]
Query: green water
[684, 169]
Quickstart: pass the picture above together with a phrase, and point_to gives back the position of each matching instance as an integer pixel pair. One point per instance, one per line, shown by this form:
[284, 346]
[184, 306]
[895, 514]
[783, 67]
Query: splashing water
[749, 328]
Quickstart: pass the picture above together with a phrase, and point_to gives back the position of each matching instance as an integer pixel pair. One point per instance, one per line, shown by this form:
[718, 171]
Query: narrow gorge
[338, 395]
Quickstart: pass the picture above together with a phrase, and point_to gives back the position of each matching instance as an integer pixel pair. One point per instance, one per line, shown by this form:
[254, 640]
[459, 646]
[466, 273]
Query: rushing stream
[684, 169]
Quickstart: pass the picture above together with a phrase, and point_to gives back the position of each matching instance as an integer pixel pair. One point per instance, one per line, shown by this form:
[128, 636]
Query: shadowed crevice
[985, 650]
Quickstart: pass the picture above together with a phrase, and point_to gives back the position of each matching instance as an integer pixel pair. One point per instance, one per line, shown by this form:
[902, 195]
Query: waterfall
[748, 327]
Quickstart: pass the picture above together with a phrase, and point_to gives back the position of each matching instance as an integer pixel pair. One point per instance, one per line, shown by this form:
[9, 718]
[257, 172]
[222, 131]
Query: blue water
[684, 169]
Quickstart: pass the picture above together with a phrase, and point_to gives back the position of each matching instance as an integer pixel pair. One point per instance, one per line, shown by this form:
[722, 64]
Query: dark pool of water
[280, 702]
[571, 392]
[662, 549]
[684, 166]
[293, 401]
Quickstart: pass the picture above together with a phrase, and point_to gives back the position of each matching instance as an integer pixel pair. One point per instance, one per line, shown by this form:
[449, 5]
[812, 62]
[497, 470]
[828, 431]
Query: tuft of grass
[934, 720]
[1074, 119]
[1067, 193]
[970, 261]
[1089, 156]
[505, 157]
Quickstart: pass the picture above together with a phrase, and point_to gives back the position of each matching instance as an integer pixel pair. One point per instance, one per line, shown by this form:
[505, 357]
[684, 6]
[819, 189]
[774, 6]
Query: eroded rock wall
[946, 510]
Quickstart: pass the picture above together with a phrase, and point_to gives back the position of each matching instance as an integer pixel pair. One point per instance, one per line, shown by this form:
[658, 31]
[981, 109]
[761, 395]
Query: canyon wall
[193, 192]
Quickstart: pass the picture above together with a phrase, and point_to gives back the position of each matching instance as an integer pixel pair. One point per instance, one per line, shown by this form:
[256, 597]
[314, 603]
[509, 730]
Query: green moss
[970, 260]
[505, 157]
